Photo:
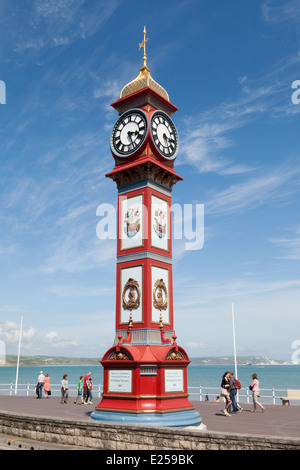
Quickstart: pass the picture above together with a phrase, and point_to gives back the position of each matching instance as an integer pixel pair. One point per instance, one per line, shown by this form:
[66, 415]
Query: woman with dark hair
[225, 392]
[254, 387]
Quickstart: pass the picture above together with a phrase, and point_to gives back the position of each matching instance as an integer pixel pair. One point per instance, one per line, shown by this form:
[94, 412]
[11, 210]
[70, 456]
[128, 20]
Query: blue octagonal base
[178, 419]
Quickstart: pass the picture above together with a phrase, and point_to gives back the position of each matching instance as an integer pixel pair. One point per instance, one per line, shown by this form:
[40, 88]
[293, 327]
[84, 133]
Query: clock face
[164, 135]
[129, 133]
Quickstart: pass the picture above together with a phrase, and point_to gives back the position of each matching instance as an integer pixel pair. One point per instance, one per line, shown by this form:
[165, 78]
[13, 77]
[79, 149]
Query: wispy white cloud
[76, 252]
[188, 297]
[109, 89]
[273, 186]
[53, 340]
[8, 309]
[281, 12]
[7, 250]
[81, 291]
[206, 138]
[288, 245]
[10, 333]
[59, 23]
[69, 187]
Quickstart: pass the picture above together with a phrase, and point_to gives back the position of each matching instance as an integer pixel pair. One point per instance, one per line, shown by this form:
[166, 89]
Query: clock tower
[145, 371]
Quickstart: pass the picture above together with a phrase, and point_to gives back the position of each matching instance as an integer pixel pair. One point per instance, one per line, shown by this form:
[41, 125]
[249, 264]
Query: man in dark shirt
[232, 391]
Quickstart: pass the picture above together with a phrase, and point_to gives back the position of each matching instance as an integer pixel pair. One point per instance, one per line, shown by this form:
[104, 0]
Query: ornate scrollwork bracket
[160, 303]
[131, 302]
[134, 296]
[162, 333]
[174, 356]
[119, 356]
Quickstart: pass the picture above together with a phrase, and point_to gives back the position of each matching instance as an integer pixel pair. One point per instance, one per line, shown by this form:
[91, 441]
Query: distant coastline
[241, 361]
[11, 360]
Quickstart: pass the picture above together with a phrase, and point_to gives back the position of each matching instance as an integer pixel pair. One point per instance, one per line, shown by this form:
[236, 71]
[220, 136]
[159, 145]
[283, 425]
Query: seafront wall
[110, 436]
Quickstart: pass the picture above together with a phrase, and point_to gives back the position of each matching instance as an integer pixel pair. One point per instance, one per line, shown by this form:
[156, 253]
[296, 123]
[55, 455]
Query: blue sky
[229, 67]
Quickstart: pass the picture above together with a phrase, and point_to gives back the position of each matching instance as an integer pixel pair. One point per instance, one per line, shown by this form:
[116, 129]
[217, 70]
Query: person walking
[64, 389]
[79, 390]
[40, 385]
[232, 392]
[86, 390]
[254, 387]
[225, 392]
[91, 390]
[47, 388]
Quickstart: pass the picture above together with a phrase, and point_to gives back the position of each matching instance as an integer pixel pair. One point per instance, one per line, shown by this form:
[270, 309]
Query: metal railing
[267, 395]
[244, 395]
[29, 389]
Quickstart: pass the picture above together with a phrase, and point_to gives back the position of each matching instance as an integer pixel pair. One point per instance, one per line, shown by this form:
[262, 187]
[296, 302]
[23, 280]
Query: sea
[203, 380]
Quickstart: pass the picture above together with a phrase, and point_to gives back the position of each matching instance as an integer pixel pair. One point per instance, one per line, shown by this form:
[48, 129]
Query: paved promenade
[277, 420]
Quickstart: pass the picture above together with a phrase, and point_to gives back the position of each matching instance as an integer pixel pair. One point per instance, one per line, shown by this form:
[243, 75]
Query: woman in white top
[64, 389]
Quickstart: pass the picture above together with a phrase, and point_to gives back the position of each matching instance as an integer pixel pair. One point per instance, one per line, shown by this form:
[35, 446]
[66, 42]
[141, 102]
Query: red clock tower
[145, 371]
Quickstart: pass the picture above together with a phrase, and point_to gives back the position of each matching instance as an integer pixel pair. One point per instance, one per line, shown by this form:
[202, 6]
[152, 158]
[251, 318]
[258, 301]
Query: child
[79, 390]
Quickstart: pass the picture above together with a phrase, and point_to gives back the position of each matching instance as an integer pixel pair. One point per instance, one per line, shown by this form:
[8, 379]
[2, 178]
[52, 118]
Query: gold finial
[143, 44]
[144, 78]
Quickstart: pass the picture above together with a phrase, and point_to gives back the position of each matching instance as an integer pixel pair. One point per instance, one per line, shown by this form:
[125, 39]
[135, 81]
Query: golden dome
[144, 79]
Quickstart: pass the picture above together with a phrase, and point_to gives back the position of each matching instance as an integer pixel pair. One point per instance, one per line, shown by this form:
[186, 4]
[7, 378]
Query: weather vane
[143, 44]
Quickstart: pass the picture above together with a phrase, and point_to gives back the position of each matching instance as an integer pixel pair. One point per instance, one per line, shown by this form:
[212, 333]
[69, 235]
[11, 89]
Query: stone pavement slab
[277, 420]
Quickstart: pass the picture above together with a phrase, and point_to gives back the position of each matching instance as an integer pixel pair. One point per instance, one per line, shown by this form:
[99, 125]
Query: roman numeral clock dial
[129, 133]
[164, 135]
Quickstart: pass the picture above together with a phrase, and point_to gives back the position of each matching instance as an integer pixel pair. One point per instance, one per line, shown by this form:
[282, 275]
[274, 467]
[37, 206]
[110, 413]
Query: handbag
[224, 392]
[49, 392]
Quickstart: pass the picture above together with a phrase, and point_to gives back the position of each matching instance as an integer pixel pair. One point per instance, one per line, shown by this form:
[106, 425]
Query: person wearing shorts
[79, 390]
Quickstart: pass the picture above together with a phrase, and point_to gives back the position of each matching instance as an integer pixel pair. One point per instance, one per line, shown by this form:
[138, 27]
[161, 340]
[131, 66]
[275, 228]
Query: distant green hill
[52, 361]
[85, 361]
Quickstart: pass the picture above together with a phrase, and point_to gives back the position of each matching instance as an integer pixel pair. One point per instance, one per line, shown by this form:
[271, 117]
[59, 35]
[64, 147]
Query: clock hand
[165, 138]
[168, 140]
[131, 133]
